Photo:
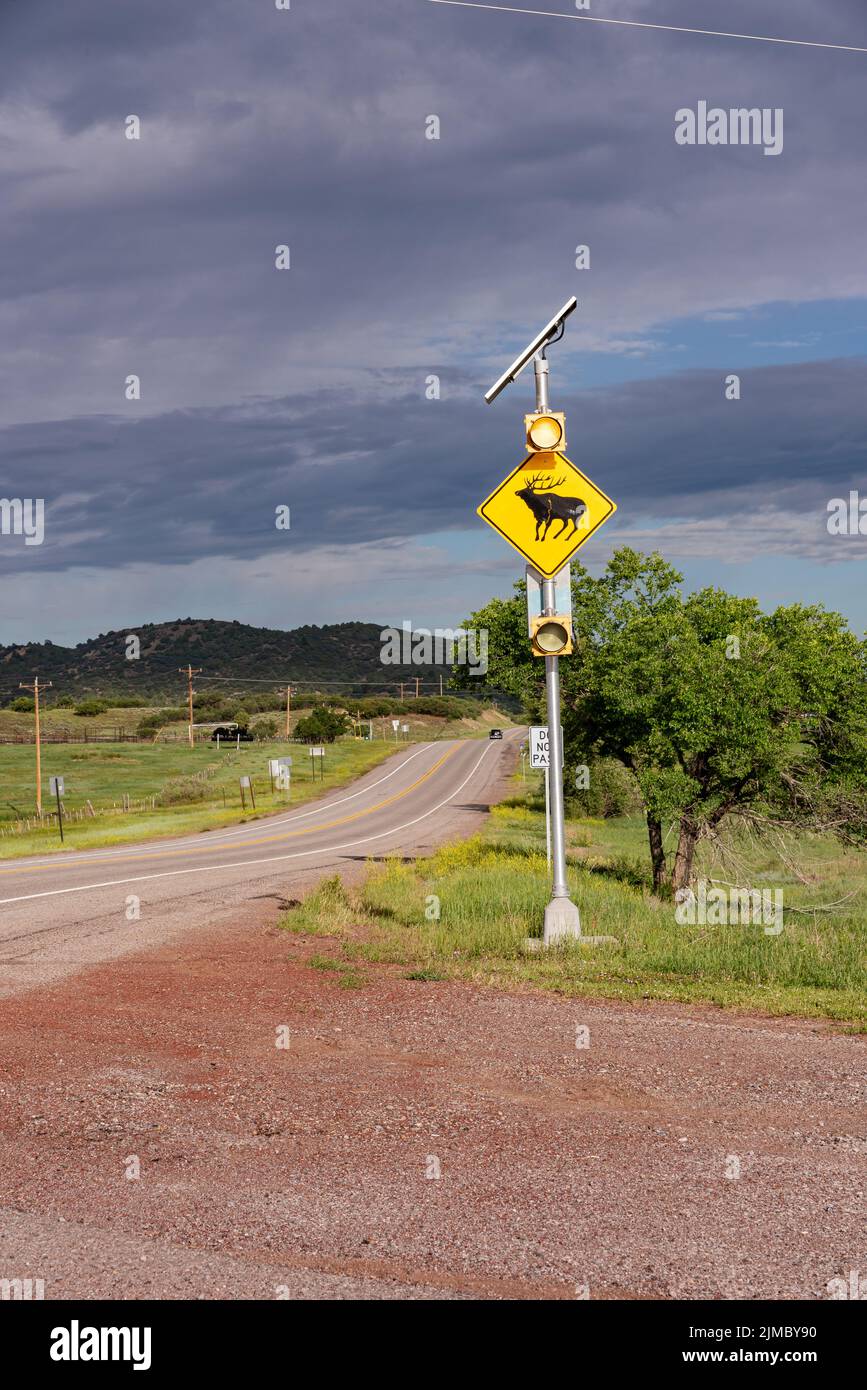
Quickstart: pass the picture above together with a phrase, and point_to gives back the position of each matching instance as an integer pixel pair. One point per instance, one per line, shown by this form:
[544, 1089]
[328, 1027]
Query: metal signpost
[318, 752]
[56, 785]
[540, 759]
[247, 784]
[547, 508]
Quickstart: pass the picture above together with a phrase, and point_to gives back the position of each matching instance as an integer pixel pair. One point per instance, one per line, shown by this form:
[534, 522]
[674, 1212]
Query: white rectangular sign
[245, 781]
[317, 752]
[56, 785]
[539, 749]
[273, 767]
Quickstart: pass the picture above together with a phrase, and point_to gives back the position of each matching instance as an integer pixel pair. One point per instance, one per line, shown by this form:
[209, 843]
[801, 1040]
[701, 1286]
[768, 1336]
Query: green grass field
[103, 772]
[466, 912]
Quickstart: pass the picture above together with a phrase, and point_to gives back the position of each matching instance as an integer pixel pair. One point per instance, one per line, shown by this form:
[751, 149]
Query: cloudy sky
[412, 257]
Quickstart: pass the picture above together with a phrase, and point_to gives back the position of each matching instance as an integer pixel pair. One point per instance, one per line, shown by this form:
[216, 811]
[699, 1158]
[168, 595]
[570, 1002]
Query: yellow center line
[60, 863]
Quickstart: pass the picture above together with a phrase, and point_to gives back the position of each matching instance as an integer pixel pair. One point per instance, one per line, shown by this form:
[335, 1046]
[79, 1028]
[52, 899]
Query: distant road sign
[245, 782]
[395, 724]
[540, 753]
[56, 785]
[318, 752]
[547, 508]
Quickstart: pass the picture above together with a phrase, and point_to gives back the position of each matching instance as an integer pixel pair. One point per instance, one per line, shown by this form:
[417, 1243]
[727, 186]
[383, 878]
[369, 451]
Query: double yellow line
[62, 863]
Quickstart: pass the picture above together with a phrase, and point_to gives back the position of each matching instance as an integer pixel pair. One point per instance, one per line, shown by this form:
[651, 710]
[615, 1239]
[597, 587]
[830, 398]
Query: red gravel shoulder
[414, 1139]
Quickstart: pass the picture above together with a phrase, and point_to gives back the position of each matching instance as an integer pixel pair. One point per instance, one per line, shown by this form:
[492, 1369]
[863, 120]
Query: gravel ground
[414, 1139]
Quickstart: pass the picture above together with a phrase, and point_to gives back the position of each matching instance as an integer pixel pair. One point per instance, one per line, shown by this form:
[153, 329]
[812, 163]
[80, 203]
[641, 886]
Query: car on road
[495, 733]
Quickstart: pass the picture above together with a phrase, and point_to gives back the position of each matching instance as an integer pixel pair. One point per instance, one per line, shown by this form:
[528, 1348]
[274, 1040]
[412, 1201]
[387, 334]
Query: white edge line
[248, 863]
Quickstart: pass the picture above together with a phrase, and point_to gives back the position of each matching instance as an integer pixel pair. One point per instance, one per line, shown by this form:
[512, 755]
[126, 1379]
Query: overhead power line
[643, 24]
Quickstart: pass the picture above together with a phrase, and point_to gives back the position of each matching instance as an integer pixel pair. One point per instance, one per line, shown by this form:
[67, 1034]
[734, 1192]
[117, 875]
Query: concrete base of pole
[534, 945]
[562, 921]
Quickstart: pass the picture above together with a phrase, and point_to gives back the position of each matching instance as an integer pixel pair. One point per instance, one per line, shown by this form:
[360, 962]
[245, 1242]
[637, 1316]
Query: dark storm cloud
[307, 126]
[307, 389]
[177, 488]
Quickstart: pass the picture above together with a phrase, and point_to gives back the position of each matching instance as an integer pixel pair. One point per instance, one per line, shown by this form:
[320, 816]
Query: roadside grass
[465, 914]
[349, 978]
[103, 772]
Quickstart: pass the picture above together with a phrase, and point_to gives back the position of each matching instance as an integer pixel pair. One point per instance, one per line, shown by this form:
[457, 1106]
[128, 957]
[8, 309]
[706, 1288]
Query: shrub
[181, 789]
[89, 708]
[149, 725]
[23, 705]
[613, 790]
[321, 725]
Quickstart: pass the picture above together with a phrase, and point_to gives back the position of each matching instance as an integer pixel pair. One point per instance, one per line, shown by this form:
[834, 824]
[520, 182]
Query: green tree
[321, 725]
[88, 709]
[718, 710]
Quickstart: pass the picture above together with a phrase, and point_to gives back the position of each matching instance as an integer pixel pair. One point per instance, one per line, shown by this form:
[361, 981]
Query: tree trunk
[683, 860]
[657, 853]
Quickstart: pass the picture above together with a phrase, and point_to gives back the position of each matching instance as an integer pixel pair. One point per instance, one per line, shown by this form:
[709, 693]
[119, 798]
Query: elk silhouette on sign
[548, 506]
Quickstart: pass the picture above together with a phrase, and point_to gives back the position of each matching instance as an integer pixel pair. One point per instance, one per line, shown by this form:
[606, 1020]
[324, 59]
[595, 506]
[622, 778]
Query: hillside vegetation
[342, 653]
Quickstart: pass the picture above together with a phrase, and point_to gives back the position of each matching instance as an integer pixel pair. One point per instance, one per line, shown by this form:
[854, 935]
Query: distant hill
[347, 653]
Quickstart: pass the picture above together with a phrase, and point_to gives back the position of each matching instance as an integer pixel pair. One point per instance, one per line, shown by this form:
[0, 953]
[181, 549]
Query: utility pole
[441, 682]
[401, 690]
[416, 687]
[289, 693]
[36, 687]
[189, 672]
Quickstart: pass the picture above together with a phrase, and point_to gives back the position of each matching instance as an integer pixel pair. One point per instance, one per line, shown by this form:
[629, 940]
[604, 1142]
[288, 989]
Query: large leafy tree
[321, 725]
[718, 709]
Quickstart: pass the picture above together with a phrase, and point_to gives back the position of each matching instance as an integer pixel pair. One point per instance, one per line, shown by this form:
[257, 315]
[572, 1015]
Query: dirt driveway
[414, 1139]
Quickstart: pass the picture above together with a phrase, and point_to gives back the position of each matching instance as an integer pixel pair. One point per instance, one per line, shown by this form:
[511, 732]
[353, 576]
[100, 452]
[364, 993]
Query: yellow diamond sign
[547, 508]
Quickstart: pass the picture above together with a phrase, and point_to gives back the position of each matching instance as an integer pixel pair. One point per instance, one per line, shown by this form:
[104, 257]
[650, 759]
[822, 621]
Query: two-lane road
[65, 911]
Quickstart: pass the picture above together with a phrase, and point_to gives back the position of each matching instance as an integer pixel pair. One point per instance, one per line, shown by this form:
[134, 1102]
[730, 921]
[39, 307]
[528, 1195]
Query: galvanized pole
[548, 816]
[562, 918]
